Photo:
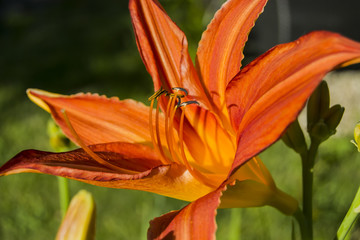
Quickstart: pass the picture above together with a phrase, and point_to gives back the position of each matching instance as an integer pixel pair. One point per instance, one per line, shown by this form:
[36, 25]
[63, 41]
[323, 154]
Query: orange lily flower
[214, 119]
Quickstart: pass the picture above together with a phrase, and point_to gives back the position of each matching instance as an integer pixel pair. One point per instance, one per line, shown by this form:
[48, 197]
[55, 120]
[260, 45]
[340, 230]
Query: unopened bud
[326, 126]
[318, 104]
[320, 131]
[333, 117]
[294, 138]
[79, 221]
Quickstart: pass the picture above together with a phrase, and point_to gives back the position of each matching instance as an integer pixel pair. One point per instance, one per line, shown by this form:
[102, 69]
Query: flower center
[175, 151]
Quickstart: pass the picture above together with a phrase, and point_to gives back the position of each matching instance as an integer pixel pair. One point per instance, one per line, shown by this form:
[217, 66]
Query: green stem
[235, 224]
[308, 161]
[64, 197]
[304, 227]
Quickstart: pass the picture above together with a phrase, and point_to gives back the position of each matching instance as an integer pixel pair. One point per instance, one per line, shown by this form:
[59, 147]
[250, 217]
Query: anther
[183, 104]
[182, 90]
[157, 94]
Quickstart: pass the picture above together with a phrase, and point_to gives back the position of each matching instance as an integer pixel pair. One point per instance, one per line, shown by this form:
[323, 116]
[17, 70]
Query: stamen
[173, 104]
[157, 94]
[196, 174]
[153, 140]
[164, 158]
[183, 104]
[171, 127]
[169, 130]
[90, 152]
[181, 89]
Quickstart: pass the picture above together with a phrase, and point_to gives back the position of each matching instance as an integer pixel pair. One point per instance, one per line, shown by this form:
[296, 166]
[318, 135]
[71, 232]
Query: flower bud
[294, 138]
[320, 131]
[326, 126]
[322, 120]
[333, 117]
[318, 104]
[79, 221]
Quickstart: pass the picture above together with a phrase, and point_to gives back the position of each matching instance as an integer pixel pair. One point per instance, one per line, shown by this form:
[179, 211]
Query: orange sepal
[98, 119]
[268, 94]
[196, 221]
[221, 47]
[146, 172]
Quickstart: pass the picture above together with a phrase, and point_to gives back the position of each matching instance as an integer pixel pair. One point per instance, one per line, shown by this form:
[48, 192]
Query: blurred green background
[80, 46]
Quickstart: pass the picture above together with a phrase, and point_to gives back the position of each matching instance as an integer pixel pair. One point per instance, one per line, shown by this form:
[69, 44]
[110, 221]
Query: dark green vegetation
[69, 46]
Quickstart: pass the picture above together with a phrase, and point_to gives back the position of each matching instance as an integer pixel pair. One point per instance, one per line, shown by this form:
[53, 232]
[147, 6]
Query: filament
[169, 130]
[158, 134]
[155, 143]
[90, 152]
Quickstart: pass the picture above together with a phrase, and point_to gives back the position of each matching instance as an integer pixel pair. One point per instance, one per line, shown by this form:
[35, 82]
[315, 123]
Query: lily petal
[249, 193]
[190, 80]
[254, 170]
[220, 50]
[162, 46]
[253, 186]
[268, 94]
[98, 119]
[196, 221]
[217, 153]
[159, 41]
[141, 169]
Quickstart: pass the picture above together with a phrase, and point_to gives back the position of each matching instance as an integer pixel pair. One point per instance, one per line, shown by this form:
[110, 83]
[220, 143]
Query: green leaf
[350, 217]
